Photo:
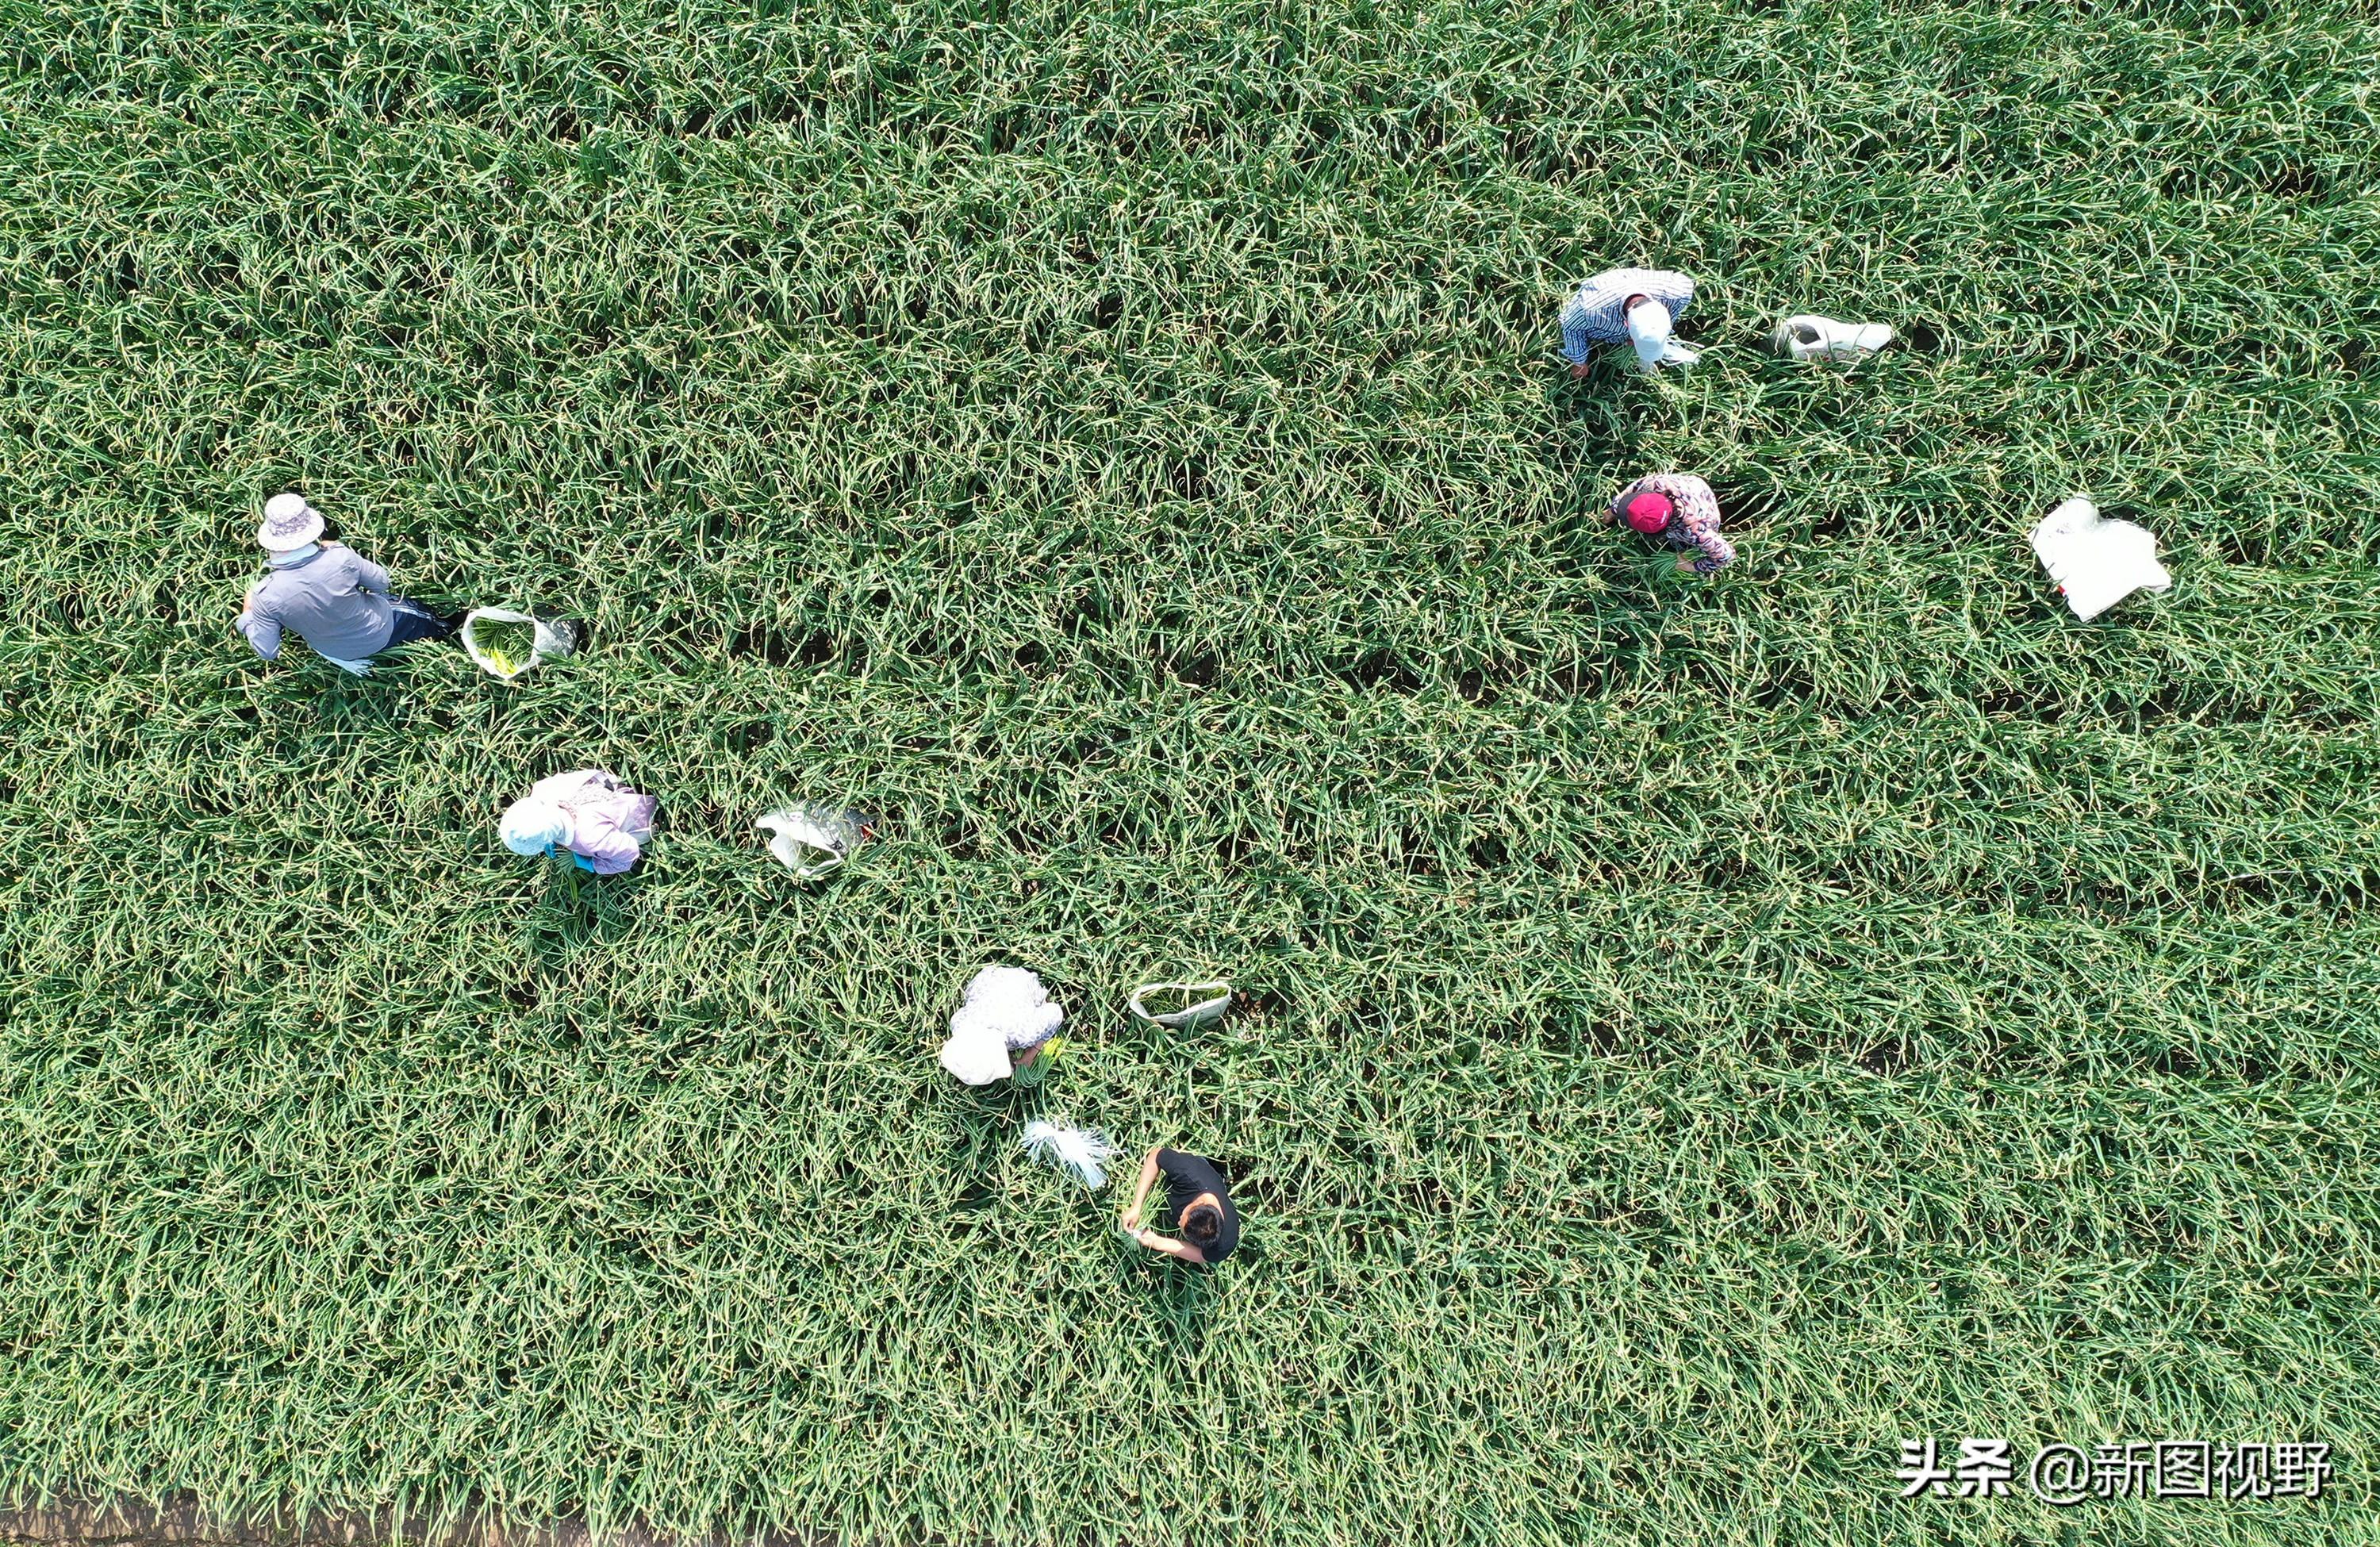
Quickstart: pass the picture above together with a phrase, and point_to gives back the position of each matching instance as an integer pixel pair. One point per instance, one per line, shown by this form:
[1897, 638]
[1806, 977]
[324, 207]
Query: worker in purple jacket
[327, 594]
[587, 814]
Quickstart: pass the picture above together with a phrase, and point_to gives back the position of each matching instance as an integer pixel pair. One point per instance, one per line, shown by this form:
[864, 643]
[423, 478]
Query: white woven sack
[1203, 1002]
[550, 641]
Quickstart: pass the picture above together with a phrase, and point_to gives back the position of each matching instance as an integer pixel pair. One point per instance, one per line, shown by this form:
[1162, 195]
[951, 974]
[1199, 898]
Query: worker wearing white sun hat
[1006, 1028]
[588, 813]
[327, 594]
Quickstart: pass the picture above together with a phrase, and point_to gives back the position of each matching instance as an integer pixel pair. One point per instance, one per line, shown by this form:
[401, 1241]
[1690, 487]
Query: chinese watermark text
[2065, 1474]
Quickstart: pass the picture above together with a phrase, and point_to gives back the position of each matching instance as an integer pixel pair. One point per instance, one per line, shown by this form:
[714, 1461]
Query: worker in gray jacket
[327, 594]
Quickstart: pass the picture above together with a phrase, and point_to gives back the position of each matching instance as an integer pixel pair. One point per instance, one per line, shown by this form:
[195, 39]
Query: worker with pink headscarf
[1680, 510]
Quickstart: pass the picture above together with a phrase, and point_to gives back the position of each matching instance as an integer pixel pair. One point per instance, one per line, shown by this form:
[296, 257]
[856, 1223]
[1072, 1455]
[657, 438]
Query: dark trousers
[410, 620]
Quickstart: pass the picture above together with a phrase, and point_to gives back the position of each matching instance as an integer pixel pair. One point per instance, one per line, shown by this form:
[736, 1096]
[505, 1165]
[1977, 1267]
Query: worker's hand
[1578, 373]
[1685, 566]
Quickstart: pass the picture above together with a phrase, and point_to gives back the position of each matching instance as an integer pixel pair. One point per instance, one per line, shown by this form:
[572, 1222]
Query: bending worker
[587, 814]
[1199, 1201]
[1639, 307]
[1680, 510]
[326, 593]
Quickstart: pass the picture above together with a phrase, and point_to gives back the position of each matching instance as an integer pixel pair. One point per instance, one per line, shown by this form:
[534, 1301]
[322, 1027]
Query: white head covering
[533, 825]
[289, 524]
[1004, 1010]
[976, 1059]
[1010, 1004]
[1648, 329]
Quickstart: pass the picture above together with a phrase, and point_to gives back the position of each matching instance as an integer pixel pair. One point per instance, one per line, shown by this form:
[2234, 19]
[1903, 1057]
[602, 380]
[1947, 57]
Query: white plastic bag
[1202, 1002]
[1084, 1152]
[1814, 337]
[2096, 562]
[811, 840]
[547, 641]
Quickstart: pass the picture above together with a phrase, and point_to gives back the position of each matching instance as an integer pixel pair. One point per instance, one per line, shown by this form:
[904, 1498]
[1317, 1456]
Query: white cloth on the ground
[2096, 562]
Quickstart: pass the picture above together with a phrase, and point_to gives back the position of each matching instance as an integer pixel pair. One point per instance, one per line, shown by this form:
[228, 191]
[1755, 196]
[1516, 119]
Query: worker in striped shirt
[1628, 306]
[1680, 510]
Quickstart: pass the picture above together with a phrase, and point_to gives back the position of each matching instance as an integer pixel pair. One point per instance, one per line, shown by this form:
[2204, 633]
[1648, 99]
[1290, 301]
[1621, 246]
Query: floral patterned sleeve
[1715, 551]
[1697, 519]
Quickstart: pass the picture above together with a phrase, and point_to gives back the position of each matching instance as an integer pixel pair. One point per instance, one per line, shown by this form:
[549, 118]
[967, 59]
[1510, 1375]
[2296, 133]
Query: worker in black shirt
[1199, 1202]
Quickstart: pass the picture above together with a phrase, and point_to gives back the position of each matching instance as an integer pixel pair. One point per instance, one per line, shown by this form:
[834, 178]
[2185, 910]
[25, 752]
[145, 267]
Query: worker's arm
[262, 630]
[1170, 1247]
[370, 576]
[1140, 1193]
[1577, 347]
[1712, 552]
[1698, 509]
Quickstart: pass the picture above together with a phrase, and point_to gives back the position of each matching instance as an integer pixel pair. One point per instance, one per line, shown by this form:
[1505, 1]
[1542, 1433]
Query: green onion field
[1693, 1035]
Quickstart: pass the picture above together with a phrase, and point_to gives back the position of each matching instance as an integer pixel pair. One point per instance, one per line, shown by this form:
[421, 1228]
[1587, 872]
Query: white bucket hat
[533, 825]
[289, 524]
